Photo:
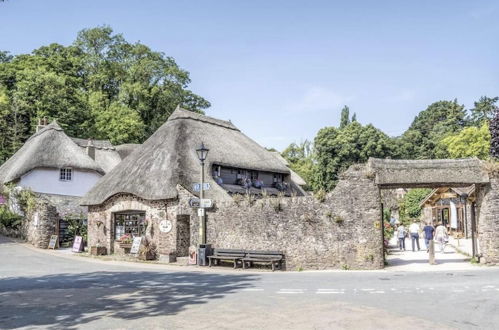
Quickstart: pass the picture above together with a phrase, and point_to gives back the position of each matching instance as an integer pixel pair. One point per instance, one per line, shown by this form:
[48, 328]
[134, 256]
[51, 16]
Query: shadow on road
[65, 301]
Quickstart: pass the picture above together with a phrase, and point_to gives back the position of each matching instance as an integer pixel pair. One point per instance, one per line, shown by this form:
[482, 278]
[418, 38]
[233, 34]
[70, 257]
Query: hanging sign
[197, 186]
[136, 245]
[78, 244]
[165, 226]
[53, 241]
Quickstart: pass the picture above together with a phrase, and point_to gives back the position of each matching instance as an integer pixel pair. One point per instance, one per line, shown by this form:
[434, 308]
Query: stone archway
[389, 174]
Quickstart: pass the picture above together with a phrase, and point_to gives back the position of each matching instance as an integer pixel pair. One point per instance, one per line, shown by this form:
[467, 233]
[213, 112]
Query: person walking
[441, 236]
[428, 232]
[401, 236]
[414, 231]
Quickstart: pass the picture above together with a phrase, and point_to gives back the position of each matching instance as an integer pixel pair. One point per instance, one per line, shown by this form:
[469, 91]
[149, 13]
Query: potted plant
[98, 250]
[148, 250]
[126, 241]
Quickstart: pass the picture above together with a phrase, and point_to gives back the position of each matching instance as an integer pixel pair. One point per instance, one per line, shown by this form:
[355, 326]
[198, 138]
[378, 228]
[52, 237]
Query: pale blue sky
[281, 70]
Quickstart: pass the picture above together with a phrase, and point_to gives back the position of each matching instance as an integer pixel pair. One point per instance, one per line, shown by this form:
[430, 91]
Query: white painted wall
[46, 180]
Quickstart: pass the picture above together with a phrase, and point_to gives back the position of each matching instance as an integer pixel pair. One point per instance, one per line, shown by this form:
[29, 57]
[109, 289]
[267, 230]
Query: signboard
[165, 226]
[78, 244]
[194, 202]
[197, 186]
[201, 212]
[136, 245]
[206, 203]
[53, 241]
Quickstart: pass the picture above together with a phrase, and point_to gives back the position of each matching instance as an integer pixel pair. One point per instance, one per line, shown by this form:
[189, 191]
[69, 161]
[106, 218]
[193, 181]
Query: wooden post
[431, 254]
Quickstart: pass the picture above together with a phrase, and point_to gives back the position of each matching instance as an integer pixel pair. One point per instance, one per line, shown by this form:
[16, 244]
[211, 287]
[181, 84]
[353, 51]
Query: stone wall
[488, 221]
[342, 231]
[41, 223]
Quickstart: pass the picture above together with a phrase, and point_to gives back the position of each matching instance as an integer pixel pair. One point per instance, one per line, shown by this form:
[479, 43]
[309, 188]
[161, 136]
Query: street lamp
[202, 153]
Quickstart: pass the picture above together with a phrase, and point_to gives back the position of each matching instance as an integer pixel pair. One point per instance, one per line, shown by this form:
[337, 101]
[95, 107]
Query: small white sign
[206, 203]
[165, 226]
[136, 245]
[201, 212]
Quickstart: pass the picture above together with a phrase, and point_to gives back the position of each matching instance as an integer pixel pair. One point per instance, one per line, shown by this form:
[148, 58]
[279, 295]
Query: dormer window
[65, 174]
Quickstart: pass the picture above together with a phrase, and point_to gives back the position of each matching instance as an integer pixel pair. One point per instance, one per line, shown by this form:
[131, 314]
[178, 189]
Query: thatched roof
[294, 176]
[168, 158]
[50, 148]
[391, 173]
[433, 196]
[126, 149]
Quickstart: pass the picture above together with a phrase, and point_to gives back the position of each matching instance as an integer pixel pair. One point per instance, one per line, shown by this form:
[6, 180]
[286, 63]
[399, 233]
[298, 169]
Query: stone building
[257, 204]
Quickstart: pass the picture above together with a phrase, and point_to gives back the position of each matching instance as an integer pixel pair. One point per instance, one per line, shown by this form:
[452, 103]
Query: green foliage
[409, 206]
[300, 159]
[9, 219]
[470, 142]
[101, 86]
[345, 117]
[336, 149]
[76, 227]
[421, 140]
[484, 110]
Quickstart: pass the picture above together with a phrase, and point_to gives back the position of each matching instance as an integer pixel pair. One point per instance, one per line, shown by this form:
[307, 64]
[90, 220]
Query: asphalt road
[42, 290]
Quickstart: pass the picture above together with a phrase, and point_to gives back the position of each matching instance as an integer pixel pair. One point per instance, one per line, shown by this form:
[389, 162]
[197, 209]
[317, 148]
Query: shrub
[9, 219]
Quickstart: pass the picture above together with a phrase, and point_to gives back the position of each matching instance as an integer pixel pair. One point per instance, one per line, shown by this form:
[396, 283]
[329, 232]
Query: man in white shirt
[414, 231]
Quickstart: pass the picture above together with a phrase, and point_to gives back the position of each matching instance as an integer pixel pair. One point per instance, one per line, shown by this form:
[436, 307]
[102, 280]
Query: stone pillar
[488, 221]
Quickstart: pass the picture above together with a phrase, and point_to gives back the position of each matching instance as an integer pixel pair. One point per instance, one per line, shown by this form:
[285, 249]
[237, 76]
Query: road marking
[252, 289]
[488, 287]
[290, 291]
[330, 291]
[379, 291]
[367, 289]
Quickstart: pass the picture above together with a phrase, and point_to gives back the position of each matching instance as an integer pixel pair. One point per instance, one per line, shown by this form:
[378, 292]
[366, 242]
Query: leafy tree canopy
[470, 142]
[101, 86]
[336, 149]
[422, 138]
[409, 206]
[300, 158]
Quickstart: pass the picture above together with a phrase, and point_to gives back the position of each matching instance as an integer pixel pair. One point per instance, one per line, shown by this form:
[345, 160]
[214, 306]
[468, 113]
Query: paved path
[43, 290]
[449, 260]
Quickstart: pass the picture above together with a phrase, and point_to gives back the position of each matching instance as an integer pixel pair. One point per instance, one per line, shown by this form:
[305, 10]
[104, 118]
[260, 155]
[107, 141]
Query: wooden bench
[274, 258]
[226, 255]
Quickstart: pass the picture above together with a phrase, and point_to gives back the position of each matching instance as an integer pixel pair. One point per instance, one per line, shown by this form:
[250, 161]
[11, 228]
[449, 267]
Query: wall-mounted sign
[78, 244]
[206, 203]
[194, 202]
[197, 186]
[135, 245]
[53, 241]
[201, 212]
[36, 219]
[165, 226]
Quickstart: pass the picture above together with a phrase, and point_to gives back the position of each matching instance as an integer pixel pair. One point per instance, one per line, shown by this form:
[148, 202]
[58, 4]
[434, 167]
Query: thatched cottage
[154, 184]
[60, 170]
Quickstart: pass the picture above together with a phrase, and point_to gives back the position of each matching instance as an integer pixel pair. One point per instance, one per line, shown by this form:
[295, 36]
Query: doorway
[183, 235]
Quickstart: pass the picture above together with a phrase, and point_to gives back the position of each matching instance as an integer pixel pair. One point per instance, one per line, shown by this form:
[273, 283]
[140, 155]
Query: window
[65, 174]
[131, 223]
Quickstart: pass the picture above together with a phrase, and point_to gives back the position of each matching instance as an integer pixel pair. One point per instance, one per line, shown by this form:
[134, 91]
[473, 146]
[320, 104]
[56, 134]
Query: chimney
[42, 122]
[91, 149]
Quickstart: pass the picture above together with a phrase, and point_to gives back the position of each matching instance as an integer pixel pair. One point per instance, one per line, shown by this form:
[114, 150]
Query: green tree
[345, 117]
[337, 149]
[299, 157]
[439, 120]
[101, 87]
[470, 142]
[409, 205]
[483, 110]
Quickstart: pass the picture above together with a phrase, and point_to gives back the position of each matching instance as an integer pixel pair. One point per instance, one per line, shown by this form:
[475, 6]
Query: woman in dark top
[428, 235]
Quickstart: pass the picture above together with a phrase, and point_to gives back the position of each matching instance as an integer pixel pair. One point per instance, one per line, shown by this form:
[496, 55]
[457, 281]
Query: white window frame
[66, 174]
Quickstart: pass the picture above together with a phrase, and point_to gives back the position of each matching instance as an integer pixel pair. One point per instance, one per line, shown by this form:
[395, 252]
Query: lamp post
[202, 153]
